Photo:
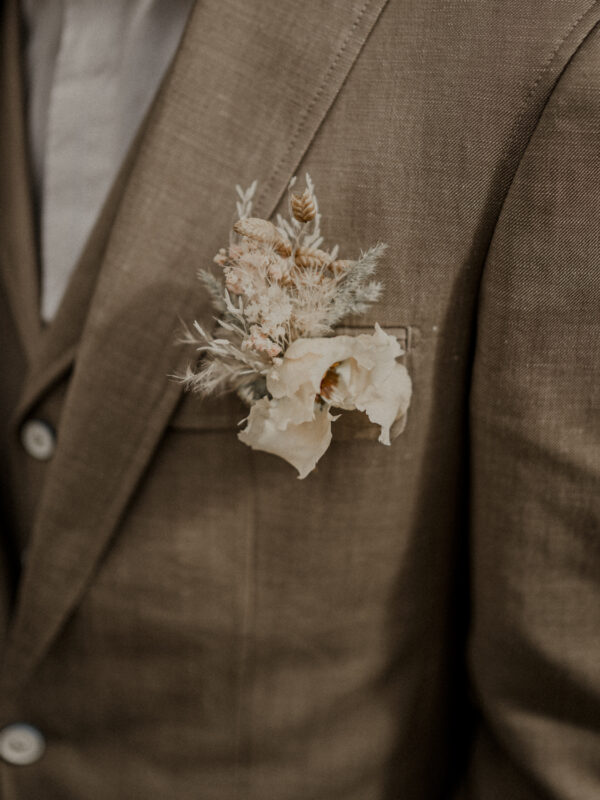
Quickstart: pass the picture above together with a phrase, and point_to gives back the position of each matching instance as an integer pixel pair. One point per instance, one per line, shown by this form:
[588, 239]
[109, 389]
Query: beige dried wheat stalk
[311, 258]
[261, 230]
[303, 206]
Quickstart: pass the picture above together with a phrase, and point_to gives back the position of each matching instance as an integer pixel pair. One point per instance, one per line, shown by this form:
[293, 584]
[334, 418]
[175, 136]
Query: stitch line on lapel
[525, 103]
[264, 192]
[243, 715]
[548, 63]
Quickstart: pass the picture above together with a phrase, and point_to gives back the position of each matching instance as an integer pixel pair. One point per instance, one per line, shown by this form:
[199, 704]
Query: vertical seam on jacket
[244, 792]
[484, 264]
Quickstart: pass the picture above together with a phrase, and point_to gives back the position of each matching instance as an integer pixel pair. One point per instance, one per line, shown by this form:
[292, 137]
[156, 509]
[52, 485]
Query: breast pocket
[195, 413]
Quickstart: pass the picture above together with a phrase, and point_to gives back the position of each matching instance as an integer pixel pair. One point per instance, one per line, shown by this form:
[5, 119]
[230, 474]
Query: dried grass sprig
[224, 366]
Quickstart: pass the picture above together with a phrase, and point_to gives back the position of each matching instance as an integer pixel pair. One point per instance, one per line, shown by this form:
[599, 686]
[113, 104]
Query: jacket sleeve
[535, 465]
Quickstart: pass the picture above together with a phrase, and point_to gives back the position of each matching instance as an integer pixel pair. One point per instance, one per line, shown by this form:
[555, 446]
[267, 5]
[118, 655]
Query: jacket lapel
[49, 349]
[247, 91]
[59, 341]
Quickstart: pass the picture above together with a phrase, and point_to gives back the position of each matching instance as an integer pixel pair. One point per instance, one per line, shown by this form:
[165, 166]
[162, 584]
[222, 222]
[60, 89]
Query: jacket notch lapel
[245, 96]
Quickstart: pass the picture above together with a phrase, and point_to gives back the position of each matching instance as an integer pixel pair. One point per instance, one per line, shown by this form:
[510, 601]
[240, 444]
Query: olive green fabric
[193, 621]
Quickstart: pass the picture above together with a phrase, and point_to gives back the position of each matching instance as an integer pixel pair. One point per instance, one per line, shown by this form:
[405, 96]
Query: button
[21, 744]
[38, 439]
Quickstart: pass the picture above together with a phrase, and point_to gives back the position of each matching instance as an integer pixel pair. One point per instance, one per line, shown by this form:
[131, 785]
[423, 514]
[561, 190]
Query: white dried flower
[346, 372]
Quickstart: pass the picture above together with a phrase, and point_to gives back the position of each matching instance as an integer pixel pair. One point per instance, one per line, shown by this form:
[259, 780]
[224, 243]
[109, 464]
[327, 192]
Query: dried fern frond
[215, 289]
[355, 291]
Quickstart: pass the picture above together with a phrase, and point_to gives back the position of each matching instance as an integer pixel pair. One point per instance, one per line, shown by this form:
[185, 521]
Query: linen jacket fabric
[192, 621]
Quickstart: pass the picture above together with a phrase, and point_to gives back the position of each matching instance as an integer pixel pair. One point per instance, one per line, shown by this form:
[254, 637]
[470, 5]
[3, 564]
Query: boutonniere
[278, 299]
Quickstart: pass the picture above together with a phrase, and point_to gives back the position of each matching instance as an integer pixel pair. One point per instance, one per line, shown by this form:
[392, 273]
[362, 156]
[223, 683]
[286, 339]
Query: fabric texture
[92, 70]
[415, 621]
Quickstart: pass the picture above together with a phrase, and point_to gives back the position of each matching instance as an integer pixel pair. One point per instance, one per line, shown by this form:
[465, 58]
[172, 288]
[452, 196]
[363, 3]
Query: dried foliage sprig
[278, 284]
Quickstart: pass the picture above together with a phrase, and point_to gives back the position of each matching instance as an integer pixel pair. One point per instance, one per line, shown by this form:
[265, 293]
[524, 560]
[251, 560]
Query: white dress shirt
[92, 69]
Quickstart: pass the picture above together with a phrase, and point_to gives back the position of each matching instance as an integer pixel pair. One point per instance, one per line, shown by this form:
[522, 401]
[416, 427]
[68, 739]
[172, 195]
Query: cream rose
[314, 375]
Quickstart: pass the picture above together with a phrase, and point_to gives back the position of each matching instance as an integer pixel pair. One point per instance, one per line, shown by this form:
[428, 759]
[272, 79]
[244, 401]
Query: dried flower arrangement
[278, 301]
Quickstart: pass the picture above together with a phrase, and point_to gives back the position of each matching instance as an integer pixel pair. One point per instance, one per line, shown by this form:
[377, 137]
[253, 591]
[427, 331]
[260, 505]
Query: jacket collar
[246, 94]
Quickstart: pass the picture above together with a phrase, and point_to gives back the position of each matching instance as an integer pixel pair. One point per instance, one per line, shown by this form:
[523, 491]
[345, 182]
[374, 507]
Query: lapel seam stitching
[315, 98]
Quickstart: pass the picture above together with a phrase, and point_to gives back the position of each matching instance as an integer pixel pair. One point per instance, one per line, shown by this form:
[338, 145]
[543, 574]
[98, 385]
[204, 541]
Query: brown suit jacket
[191, 621]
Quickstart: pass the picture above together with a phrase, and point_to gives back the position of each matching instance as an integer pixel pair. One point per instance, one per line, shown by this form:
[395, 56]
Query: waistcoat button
[21, 744]
[38, 439]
